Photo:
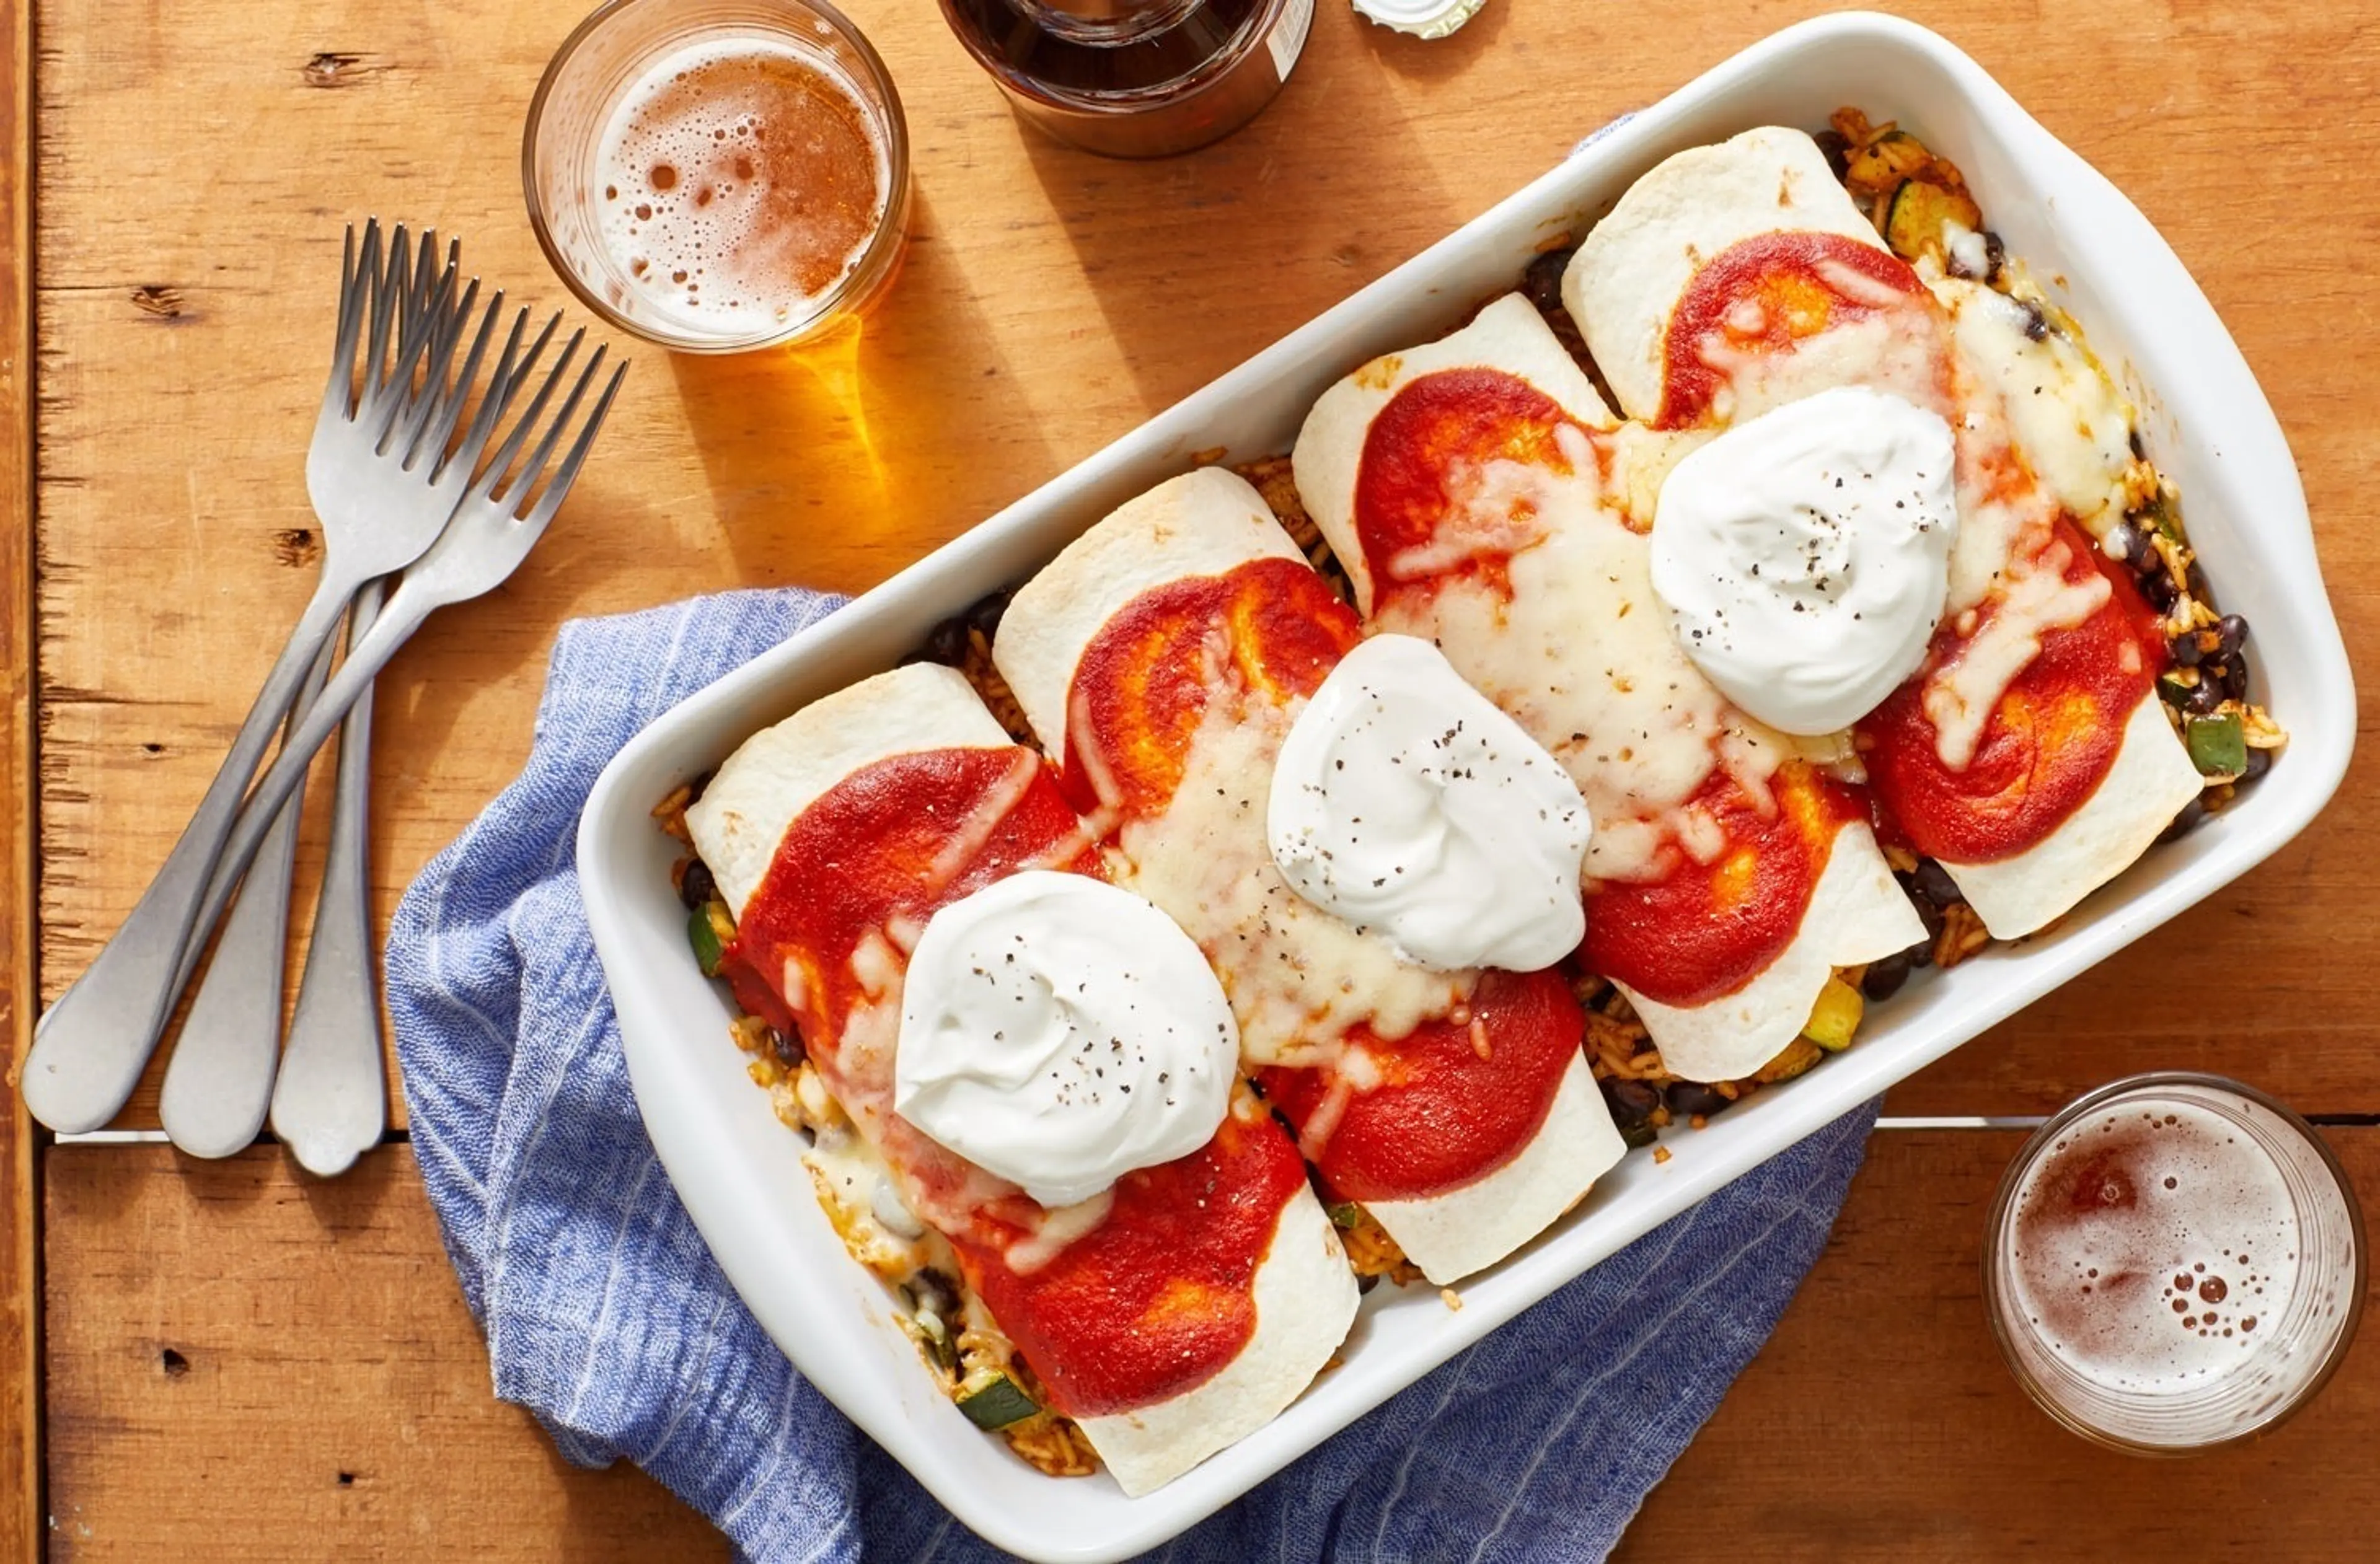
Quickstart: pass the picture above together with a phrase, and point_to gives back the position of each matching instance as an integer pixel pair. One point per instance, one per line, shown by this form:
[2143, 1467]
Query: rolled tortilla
[1957, 347]
[1317, 1000]
[1508, 335]
[749, 827]
[1627, 277]
[1553, 618]
[2149, 784]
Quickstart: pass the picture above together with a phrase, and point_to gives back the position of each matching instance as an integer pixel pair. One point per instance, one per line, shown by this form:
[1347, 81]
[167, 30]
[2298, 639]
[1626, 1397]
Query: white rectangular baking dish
[738, 1170]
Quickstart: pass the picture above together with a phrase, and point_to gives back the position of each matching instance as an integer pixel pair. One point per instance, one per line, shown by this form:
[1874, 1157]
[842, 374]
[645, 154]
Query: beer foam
[2155, 1245]
[737, 182]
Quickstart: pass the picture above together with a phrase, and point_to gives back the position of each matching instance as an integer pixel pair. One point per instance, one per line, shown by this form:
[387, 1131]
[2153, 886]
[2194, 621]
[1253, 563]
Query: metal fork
[377, 517]
[219, 1080]
[499, 519]
[330, 1103]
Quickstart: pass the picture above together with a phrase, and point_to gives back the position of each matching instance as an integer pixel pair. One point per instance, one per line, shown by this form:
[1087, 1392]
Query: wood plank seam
[22, 1512]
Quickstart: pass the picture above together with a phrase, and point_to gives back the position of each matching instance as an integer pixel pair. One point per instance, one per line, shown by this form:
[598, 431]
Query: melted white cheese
[1582, 657]
[1298, 976]
[2062, 411]
[1962, 692]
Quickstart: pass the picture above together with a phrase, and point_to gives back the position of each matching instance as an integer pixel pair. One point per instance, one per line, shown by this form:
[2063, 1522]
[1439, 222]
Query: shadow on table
[835, 462]
[1260, 232]
[1439, 59]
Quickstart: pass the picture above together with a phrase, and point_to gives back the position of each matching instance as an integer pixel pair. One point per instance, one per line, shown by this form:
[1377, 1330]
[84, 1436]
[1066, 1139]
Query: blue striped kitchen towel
[607, 1317]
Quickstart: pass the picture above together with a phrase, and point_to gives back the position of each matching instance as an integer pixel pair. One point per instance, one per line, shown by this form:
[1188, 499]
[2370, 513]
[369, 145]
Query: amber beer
[2175, 1263]
[1135, 77]
[719, 176]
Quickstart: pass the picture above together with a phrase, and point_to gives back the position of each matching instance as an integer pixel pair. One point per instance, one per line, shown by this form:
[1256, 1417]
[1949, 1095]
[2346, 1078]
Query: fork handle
[220, 1075]
[329, 1104]
[89, 1047]
[407, 607]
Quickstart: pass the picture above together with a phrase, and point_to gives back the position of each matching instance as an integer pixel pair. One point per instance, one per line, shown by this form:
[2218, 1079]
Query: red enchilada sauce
[2049, 741]
[1765, 296]
[1436, 425]
[1459, 1095]
[1703, 930]
[1158, 1297]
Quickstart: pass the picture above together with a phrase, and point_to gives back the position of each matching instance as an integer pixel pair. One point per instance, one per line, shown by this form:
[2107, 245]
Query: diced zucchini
[1636, 1135]
[1345, 1215]
[703, 934]
[1919, 215]
[992, 1400]
[1836, 1016]
[2218, 745]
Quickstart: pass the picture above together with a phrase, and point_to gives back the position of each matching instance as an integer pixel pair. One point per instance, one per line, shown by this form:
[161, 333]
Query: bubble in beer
[749, 155]
[2149, 1221]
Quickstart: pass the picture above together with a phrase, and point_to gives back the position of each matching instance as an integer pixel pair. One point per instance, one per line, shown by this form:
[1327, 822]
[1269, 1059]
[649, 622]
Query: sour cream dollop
[1406, 803]
[1060, 1032]
[1803, 555]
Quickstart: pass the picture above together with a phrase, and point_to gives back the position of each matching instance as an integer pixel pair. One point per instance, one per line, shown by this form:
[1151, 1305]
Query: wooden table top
[194, 1353]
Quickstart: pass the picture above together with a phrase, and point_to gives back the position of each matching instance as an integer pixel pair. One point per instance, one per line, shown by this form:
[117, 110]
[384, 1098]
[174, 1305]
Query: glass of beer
[719, 175]
[2175, 1263]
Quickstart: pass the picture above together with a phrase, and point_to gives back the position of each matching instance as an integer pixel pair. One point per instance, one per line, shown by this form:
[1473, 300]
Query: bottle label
[1288, 40]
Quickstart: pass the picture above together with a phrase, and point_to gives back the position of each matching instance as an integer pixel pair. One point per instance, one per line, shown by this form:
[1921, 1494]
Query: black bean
[2195, 579]
[1366, 1282]
[2259, 762]
[2124, 541]
[1883, 978]
[2158, 587]
[1921, 953]
[2140, 447]
[948, 643]
[2231, 634]
[1690, 1098]
[787, 1046]
[2191, 813]
[2036, 323]
[693, 788]
[1542, 281]
[1632, 1102]
[2186, 649]
[1995, 255]
[695, 886]
[985, 615]
[936, 1291]
[2235, 678]
[1934, 883]
[2204, 696]
[1838, 147]
[1928, 913]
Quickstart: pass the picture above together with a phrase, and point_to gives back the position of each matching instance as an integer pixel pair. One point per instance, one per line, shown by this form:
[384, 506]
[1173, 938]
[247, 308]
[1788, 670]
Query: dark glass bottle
[1135, 77]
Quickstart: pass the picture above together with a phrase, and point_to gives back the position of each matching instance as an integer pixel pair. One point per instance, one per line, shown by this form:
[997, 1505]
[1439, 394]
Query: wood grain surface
[195, 162]
[1878, 1423]
[21, 1379]
[284, 1369]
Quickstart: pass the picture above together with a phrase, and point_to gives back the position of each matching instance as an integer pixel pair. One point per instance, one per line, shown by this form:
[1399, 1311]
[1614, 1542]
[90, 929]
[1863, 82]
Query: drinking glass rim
[889, 235]
[2004, 1200]
[1095, 101]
